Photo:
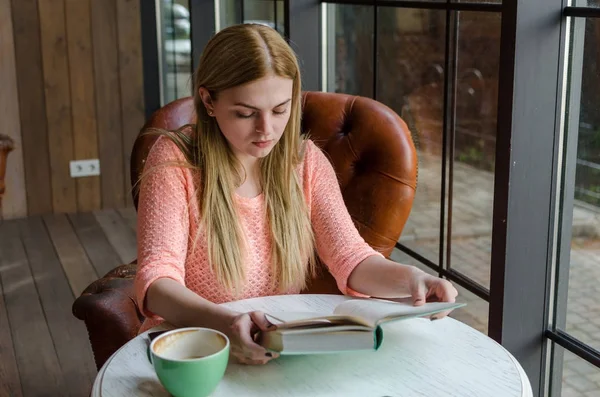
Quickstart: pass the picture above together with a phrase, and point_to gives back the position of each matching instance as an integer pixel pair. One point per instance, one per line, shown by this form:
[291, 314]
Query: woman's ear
[206, 100]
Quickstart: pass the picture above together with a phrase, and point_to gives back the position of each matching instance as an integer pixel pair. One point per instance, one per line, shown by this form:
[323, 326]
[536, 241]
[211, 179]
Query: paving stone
[575, 318]
[567, 372]
[569, 392]
[582, 367]
[581, 384]
[589, 327]
[594, 393]
[594, 377]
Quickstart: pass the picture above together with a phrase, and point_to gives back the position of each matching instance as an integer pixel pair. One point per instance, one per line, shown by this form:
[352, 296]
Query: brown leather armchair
[374, 157]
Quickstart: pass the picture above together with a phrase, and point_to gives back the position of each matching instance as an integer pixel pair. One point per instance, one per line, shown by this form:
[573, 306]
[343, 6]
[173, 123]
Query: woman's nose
[263, 124]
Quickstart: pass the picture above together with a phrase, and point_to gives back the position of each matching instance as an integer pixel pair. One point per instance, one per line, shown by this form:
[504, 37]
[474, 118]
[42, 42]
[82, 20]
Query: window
[578, 259]
[174, 32]
[266, 12]
[438, 69]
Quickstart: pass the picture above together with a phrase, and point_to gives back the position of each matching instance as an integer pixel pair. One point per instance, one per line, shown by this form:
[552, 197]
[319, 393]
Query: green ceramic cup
[190, 362]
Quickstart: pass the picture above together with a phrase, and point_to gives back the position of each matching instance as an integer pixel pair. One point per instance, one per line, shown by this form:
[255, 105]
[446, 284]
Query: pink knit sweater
[167, 224]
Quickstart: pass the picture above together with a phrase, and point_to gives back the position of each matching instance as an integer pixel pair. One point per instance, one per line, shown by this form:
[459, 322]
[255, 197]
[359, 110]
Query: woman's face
[253, 116]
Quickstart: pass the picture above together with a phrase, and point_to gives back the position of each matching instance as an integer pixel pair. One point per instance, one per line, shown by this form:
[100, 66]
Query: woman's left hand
[427, 288]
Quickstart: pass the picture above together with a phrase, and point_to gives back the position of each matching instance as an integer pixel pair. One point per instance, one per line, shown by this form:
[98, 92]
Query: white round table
[418, 357]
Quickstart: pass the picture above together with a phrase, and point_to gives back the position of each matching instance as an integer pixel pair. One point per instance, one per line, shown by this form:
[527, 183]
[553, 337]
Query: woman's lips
[262, 144]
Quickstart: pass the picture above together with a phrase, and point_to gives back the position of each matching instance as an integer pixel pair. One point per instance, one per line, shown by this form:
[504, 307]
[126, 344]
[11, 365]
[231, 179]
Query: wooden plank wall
[72, 79]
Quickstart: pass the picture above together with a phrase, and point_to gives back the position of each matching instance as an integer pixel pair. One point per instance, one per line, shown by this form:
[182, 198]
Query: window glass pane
[425, 1]
[280, 16]
[229, 12]
[350, 49]
[475, 314]
[583, 309]
[259, 11]
[582, 208]
[477, 1]
[266, 12]
[411, 45]
[475, 143]
[579, 378]
[410, 80]
[175, 49]
[585, 3]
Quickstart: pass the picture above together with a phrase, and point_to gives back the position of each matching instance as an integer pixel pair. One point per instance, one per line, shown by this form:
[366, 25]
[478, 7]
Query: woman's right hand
[242, 333]
[182, 307]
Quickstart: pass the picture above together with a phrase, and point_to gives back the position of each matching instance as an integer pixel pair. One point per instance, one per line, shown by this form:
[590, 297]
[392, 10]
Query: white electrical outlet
[80, 168]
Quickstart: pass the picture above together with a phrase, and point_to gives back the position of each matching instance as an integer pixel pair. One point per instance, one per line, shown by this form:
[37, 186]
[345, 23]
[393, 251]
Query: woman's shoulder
[313, 155]
[169, 145]
[314, 162]
[310, 151]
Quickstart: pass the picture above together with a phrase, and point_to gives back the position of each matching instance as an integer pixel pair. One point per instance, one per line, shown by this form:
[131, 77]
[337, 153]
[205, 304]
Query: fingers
[246, 338]
[439, 290]
[418, 293]
[247, 361]
[243, 346]
[446, 291]
[431, 296]
[244, 356]
[440, 315]
[261, 321]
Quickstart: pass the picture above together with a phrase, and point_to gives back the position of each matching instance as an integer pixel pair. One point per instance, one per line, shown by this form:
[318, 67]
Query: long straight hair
[237, 55]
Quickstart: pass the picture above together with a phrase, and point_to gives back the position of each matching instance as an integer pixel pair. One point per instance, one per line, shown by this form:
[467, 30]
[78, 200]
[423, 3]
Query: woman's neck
[252, 186]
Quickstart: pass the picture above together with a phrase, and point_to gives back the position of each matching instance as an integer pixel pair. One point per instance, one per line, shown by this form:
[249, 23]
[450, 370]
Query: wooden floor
[45, 262]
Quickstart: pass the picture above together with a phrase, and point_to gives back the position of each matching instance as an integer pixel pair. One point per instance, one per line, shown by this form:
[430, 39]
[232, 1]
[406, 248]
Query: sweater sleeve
[339, 245]
[163, 220]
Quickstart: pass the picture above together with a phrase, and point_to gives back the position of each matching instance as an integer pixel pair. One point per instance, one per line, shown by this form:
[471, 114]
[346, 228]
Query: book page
[376, 311]
[278, 318]
[331, 328]
[289, 320]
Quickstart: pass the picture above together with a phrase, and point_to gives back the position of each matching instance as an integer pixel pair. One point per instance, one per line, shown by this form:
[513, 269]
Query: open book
[354, 325]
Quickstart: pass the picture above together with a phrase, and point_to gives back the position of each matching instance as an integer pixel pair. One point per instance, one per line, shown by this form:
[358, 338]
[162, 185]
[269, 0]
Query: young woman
[237, 205]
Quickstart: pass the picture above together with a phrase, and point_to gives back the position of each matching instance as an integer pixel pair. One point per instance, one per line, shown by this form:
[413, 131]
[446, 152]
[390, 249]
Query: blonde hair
[237, 55]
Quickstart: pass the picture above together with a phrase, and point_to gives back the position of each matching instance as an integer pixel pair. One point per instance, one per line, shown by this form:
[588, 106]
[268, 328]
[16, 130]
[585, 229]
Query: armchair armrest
[109, 310]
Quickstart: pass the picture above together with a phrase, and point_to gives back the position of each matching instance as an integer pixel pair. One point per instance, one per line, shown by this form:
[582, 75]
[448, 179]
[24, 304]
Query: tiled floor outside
[471, 254]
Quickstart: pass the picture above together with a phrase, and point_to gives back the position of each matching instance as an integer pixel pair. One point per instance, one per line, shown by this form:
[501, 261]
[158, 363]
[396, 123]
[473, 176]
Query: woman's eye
[280, 111]
[245, 116]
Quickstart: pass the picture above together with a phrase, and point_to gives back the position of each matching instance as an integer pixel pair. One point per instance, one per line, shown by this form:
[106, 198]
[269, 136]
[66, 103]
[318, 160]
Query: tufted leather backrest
[370, 147]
